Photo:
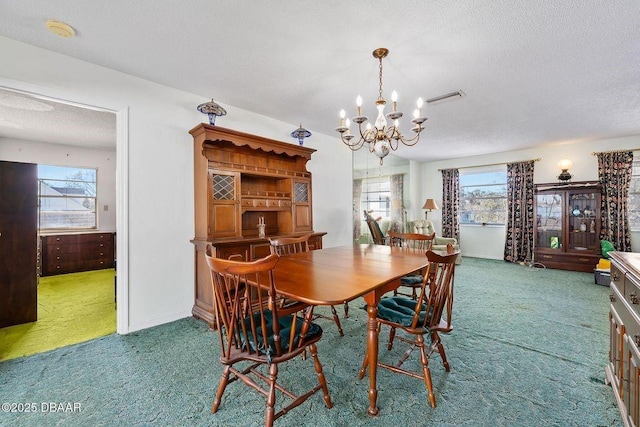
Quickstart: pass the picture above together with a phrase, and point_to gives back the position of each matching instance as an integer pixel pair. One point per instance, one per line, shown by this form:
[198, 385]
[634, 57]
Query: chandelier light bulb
[394, 96]
[416, 113]
[348, 123]
[342, 115]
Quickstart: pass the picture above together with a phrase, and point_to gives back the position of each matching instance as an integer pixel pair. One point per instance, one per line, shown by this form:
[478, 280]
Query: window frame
[483, 184]
[634, 194]
[45, 178]
[366, 201]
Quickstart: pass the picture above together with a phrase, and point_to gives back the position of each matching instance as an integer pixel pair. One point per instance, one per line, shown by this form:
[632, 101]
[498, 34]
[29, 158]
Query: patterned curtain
[614, 172]
[357, 214]
[397, 188]
[520, 216]
[451, 203]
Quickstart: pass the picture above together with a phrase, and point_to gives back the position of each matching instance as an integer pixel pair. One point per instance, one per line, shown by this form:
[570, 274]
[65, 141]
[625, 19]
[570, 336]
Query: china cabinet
[567, 226]
[247, 189]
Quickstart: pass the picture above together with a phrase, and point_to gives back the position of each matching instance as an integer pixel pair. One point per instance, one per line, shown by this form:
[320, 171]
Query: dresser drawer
[61, 239]
[631, 291]
[95, 238]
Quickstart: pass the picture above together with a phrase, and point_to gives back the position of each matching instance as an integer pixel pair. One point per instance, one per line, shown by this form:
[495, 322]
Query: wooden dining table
[336, 275]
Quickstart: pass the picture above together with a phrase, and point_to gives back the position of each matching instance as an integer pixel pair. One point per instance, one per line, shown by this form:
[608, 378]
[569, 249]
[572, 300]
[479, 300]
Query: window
[634, 195]
[66, 197]
[376, 196]
[483, 198]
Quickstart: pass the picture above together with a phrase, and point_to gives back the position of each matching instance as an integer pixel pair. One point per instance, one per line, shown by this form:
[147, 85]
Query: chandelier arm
[354, 146]
[368, 135]
[411, 141]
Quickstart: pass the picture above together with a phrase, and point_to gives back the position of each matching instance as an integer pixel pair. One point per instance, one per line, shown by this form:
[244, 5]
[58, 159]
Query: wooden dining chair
[420, 318]
[252, 329]
[284, 246]
[374, 228]
[414, 243]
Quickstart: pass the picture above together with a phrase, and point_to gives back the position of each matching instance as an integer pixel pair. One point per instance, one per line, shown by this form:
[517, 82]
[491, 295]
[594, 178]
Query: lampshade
[565, 164]
[396, 204]
[430, 204]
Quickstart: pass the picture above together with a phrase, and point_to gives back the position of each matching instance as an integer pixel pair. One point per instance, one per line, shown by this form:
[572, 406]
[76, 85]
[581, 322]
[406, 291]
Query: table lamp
[429, 205]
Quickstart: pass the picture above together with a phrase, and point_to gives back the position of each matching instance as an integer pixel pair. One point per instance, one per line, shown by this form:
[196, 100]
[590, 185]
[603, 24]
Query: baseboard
[158, 321]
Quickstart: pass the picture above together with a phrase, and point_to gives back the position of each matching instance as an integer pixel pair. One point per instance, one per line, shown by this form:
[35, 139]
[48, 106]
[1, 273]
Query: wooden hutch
[240, 181]
[567, 228]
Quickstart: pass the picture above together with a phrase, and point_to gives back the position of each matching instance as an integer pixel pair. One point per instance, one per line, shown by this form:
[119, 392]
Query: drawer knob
[612, 297]
[636, 339]
[633, 298]
[614, 275]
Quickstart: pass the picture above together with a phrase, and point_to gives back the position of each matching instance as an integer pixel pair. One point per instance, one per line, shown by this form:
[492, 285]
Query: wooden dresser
[71, 253]
[240, 181]
[623, 369]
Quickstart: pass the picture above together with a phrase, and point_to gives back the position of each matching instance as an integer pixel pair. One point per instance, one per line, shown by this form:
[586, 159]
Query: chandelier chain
[380, 79]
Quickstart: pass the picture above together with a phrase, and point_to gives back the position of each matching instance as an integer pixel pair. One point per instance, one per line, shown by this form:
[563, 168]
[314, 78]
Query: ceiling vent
[456, 94]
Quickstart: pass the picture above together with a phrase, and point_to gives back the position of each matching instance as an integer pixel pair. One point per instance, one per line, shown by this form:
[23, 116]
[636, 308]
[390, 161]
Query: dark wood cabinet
[71, 253]
[623, 368]
[241, 180]
[567, 228]
[18, 243]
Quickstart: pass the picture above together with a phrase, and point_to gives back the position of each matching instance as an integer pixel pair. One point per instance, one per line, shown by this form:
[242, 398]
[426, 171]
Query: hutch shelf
[241, 181]
[567, 226]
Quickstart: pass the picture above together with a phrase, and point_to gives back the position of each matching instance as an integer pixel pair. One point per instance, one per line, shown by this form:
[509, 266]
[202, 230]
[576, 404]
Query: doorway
[40, 129]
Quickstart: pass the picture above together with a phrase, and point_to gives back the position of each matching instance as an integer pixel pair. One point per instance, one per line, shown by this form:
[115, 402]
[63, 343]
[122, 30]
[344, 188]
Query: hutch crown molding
[247, 188]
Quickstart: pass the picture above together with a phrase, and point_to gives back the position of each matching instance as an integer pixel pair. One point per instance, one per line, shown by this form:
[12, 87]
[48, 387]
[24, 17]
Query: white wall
[153, 125]
[17, 150]
[488, 241]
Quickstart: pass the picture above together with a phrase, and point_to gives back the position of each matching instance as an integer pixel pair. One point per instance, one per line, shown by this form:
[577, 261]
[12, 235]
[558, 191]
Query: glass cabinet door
[549, 221]
[582, 219]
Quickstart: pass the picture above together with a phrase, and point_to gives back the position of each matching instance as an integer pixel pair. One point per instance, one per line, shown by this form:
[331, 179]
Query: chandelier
[380, 138]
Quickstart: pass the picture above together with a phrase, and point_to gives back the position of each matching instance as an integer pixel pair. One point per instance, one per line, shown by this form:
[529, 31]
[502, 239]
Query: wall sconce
[429, 205]
[301, 133]
[564, 166]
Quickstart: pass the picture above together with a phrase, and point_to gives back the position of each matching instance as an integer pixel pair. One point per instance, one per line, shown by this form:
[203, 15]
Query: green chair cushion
[285, 328]
[399, 309]
[606, 247]
[411, 280]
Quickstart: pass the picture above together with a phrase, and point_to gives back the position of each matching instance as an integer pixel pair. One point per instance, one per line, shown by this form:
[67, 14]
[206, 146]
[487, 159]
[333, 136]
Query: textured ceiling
[24, 116]
[534, 72]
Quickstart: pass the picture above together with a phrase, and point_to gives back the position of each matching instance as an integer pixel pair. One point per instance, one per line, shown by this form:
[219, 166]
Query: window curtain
[520, 216]
[451, 203]
[614, 173]
[358, 216]
[397, 189]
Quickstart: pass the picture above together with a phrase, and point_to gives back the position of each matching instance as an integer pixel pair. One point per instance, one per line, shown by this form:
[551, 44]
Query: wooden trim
[204, 132]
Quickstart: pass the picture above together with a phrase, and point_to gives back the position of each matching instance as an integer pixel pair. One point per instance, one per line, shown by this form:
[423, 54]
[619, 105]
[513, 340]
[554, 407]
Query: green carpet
[72, 308]
[528, 349]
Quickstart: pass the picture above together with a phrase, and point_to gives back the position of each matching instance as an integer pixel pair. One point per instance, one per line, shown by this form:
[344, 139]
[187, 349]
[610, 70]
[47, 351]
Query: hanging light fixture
[381, 138]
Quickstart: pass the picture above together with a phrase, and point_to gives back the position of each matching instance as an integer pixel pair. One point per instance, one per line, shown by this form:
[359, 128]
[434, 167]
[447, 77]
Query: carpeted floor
[72, 308]
[528, 349]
